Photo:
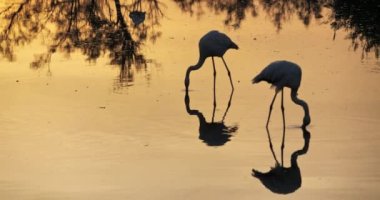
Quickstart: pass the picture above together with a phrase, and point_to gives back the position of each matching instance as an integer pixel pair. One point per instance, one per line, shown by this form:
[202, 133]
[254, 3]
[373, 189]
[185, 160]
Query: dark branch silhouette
[95, 28]
[359, 18]
[281, 11]
[234, 10]
[98, 28]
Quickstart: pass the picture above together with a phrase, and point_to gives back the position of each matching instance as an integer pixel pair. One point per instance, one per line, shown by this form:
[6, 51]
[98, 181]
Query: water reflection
[212, 133]
[234, 10]
[96, 28]
[280, 179]
[279, 11]
[359, 18]
[117, 28]
[137, 14]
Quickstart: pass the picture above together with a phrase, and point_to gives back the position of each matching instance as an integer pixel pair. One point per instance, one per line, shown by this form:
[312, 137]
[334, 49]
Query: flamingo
[212, 44]
[284, 74]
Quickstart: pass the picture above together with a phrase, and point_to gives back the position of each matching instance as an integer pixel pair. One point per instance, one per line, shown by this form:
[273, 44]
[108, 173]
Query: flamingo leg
[229, 73]
[282, 147]
[228, 105]
[283, 127]
[271, 146]
[270, 108]
[214, 108]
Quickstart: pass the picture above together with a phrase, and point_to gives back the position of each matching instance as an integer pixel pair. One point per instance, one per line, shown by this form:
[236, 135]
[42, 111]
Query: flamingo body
[213, 44]
[284, 74]
[281, 74]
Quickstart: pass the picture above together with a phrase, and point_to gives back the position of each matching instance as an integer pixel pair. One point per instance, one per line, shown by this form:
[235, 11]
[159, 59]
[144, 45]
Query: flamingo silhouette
[212, 44]
[284, 74]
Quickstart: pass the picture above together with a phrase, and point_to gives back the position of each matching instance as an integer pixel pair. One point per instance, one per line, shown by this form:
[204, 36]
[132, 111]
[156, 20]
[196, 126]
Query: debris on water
[235, 26]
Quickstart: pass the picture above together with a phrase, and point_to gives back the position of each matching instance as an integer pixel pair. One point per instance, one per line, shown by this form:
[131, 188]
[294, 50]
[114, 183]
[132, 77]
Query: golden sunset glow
[93, 103]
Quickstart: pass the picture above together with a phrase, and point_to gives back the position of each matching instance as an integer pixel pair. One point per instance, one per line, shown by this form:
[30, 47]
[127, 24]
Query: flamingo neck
[201, 118]
[306, 137]
[199, 64]
[296, 100]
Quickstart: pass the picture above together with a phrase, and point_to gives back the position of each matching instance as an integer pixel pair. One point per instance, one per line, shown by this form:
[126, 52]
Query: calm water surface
[92, 105]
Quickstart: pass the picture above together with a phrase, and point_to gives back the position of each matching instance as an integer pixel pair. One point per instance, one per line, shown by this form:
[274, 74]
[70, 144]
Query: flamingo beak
[234, 46]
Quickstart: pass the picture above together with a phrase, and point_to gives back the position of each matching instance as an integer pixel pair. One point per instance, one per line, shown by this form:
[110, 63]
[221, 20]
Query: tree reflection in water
[102, 27]
[235, 10]
[96, 28]
[359, 18]
[281, 11]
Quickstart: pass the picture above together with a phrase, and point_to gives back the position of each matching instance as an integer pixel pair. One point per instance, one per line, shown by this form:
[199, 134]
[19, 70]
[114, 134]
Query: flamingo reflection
[212, 133]
[280, 179]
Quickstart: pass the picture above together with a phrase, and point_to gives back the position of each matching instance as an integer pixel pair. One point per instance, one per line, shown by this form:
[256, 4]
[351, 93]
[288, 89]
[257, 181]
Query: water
[90, 120]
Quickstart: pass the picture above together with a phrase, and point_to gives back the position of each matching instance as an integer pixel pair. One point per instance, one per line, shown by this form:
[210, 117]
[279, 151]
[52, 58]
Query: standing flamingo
[212, 44]
[284, 74]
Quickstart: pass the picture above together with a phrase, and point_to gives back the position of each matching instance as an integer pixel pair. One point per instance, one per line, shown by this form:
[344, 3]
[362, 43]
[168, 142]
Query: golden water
[69, 130]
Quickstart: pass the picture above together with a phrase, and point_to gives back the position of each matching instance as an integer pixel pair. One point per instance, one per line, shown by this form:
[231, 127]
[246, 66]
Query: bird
[284, 74]
[213, 44]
